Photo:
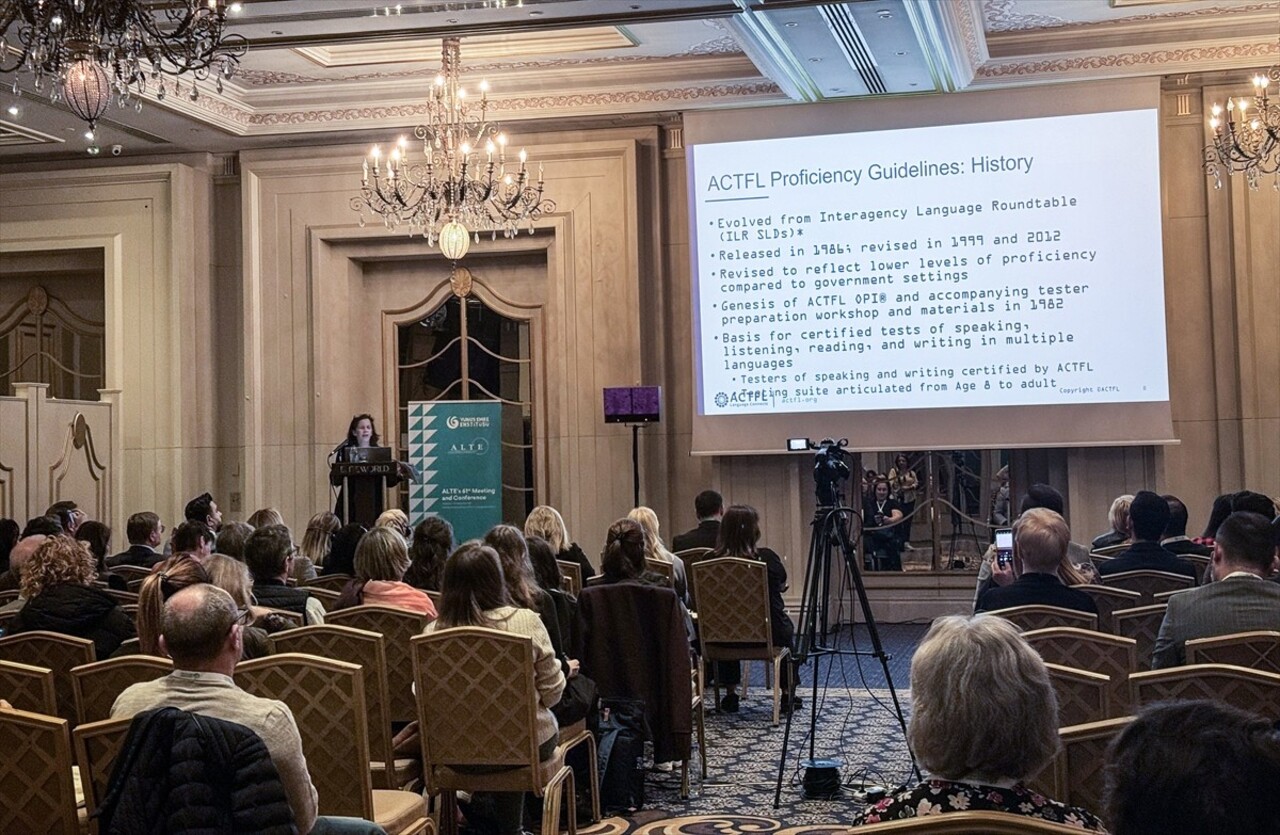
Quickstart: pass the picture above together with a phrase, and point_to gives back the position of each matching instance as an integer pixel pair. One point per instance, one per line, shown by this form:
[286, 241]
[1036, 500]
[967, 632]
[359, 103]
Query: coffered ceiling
[350, 70]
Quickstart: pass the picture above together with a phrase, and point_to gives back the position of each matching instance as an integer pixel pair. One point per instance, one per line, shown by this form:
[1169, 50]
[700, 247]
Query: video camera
[830, 466]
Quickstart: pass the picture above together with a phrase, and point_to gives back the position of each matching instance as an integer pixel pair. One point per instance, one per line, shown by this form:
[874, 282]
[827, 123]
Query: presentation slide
[1007, 263]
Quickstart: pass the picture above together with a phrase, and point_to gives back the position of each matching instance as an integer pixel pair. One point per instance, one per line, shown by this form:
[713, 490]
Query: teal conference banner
[456, 445]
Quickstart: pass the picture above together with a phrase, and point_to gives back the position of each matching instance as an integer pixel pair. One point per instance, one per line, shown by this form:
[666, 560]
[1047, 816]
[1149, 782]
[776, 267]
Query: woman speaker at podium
[367, 497]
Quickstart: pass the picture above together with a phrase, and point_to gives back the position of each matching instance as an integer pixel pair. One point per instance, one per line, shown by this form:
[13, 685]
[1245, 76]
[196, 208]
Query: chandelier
[463, 185]
[89, 52]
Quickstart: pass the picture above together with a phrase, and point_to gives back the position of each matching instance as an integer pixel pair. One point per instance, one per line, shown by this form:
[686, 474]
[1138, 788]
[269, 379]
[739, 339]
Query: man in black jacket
[145, 533]
[1175, 532]
[269, 554]
[709, 505]
[1148, 516]
[1040, 538]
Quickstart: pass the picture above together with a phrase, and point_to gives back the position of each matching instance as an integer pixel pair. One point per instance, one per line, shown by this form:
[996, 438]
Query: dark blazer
[703, 536]
[1234, 604]
[1186, 546]
[1036, 589]
[1147, 556]
[139, 555]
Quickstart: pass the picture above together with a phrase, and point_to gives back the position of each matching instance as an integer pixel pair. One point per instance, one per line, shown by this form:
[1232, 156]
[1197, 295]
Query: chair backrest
[57, 652]
[5, 619]
[968, 823]
[328, 705]
[478, 702]
[8, 596]
[96, 686]
[1111, 655]
[1149, 583]
[1110, 550]
[132, 646]
[662, 567]
[572, 573]
[336, 582]
[690, 556]
[28, 687]
[1108, 599]
[1083, 696]
[1255, 650]
[98, 744]
[1200, 561]
[355, 646]
[1076, 775]
[398, 626]
[1142, 624]
[131, 572]
[328, 597]
[124, 598]
[295, 619]
[1037, 616]
[35, 774]
[1256, 691]
[734, 608]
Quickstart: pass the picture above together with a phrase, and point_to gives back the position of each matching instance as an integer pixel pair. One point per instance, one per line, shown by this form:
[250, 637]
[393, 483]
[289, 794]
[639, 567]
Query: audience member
[265, 516]
[97, 536]
[904, 484]
[1217, 515]
[168, 578]
[145, 534]
[655, 550]
[232, 576]
[204, 509]
[880, 517]
[381, 560]
[709, 506]
[979, 741]
[1119, 518]
[1040, 539]
[68, 515]
[475, 594]
[342, 551]
[57, 583]
[18, 559]
[194, 538]
[1240, 599]
[522, 587]
[1148, 517]
[231, 539]
[43, 525]
[545, 521]
[432, 544]
[200, 630]
[395, 519]
[547, 572]
[316, 542]
[9, 533]
[269, 553]
[1192, 767]
[1175, 532]
[1250, 502]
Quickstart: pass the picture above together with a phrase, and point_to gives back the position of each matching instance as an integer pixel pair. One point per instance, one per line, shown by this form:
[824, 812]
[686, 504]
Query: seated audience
[9, 534]
[1148, 516]
[545, 521]
[740, 537]
[655, 550]
[68, 514]
[1119, 518]
[475, 594]
[1251, 502]
[43, 525]
[167, 579]
[316, 542]
[1240, 599]
[1040, 539]
[432, 544]
[342, 551]
[200, 631]
[381, 560]
[145, 533]
[97, 536]
[204, 509]
[395, 519]
[547, 572]
[1194, 767]
[709, 506]
[18, 559]
[979, 741]
[232, 576]
[522, 587]
[269, 553]
[1217, 515]
[880, 517]
[1175, 537]
[231, 539]
[264, 516]
[57, 582]
[194, 538]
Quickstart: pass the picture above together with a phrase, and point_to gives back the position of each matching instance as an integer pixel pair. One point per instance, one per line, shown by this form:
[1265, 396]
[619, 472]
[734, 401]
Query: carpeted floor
[855, 724]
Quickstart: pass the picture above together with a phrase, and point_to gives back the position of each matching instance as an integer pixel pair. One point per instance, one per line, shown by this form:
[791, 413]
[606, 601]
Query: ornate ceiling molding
[1002, 16]
[1120, 63]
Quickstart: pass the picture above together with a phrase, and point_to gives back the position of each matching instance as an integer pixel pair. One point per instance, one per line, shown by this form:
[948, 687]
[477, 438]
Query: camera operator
[881, 511]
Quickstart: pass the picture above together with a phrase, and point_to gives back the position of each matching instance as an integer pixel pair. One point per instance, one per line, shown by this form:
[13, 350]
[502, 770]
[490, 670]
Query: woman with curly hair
[57, 583]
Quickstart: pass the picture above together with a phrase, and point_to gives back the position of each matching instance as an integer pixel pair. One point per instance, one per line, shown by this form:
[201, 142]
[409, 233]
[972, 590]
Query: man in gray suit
[1239, 600]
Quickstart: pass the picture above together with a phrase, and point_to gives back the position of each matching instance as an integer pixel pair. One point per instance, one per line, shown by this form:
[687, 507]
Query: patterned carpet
[856, 726]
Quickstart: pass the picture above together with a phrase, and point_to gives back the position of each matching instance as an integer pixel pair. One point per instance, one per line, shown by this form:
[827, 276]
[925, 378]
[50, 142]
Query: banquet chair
[1076, 775]
[131, 572]
[477, 708]
[1149, 583]
[1037, 616]
[1108, 599]
[97, 744]
[662, 568]
[1098, 652]
[96, 686]
[327, 700]
[1256, 691]
[970, 823]
[27, 687]
[1256, 650]
[1142, 624]
[328, 597]
[333, 582]
[36, 786]
[1083, 696]
[691, 556]
[398, 627]
[572, 574]
[1110, 550]
[57, 652]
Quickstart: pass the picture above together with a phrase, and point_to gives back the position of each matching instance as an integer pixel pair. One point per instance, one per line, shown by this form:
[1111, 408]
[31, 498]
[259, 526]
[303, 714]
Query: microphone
[339, 448]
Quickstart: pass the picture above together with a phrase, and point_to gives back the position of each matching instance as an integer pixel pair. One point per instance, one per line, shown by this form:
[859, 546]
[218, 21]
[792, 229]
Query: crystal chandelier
[89, 52]
[462, 187]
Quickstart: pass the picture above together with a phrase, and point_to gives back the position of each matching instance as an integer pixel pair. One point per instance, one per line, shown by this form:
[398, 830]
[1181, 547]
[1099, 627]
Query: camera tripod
[831, 524]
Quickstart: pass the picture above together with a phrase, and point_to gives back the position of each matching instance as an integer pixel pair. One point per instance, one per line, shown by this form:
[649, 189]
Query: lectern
[364, 485]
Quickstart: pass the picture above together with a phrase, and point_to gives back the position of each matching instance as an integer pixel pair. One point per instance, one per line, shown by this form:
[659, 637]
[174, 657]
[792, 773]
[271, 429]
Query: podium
[364, 486]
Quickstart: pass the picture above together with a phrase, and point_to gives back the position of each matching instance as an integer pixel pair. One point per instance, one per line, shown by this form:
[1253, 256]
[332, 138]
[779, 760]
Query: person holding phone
[1034, 557]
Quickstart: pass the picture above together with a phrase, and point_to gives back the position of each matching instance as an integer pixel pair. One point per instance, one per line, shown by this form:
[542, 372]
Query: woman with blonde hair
[1118, 516]
[233, 577]
[395, 519]
[316, 542]
[545, 521]
[980, 740]
[381, 560]
[57, 583]
[265, 516]
[655, 549]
